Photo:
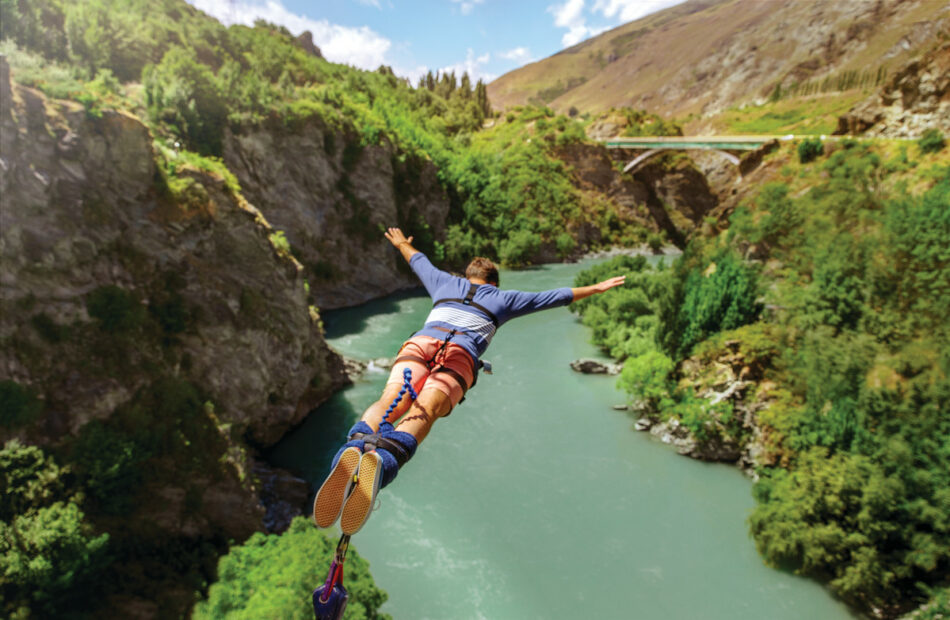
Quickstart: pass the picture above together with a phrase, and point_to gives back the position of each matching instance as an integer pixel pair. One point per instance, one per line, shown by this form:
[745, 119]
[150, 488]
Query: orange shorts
[456, 358]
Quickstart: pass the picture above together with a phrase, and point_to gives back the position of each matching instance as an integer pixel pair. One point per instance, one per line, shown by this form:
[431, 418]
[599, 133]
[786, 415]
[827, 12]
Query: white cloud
[629, 10]
[518, 54]
[361, 46]
[569, 14]
[467, 6]
[473, 66]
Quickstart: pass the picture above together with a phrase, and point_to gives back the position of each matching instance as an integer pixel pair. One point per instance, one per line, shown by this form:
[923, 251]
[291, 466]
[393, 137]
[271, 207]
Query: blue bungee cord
[406, 385]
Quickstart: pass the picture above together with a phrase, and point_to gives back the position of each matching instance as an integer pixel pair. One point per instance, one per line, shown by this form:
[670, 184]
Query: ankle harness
[375, 440]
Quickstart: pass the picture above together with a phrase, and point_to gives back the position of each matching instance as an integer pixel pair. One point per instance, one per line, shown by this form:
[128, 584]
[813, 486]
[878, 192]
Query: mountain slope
[704, 56]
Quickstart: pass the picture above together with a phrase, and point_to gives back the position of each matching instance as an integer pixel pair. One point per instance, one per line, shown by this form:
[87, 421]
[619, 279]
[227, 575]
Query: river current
[536, 499]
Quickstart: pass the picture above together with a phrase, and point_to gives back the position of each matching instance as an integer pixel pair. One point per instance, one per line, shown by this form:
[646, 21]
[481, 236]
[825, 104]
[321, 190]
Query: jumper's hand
[600, 287]
[609, 283]
[395, 237]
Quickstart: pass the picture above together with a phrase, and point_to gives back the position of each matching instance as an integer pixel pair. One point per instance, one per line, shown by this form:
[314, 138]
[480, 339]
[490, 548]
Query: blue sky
[487, 38]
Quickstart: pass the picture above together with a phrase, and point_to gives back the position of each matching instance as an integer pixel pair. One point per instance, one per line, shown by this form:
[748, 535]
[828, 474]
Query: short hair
[482, 268]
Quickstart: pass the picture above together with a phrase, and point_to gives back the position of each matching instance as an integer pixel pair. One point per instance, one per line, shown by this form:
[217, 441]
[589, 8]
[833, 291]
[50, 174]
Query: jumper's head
[482, 269]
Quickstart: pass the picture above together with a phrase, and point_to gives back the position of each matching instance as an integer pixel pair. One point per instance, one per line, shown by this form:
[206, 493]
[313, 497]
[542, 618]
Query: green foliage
[623, 320]
[810, 149]
[861, 498]
[48, 552]
[931, 141]
[109, 464]
[855, 448]
[848, 518]
[707, 298]
[279, 240]
[914, 280]
[182, 93]
[937, 608]
[29, 477]
[19, 405]
[519, 247]
[515, 196]
[115, 309]
[647, 376]
[643, 123]
[272, 576]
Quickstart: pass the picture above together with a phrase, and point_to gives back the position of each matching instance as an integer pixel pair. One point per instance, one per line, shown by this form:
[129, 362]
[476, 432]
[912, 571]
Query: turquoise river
[536, 499]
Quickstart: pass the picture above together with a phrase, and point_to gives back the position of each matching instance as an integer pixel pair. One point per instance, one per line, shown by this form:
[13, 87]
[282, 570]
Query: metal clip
[341, 548]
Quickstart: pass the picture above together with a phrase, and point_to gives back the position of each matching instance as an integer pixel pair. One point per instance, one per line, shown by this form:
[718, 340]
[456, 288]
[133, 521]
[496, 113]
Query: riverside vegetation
[839, 316]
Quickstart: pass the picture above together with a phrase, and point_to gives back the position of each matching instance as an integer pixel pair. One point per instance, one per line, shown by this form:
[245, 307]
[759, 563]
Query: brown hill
[703, 56]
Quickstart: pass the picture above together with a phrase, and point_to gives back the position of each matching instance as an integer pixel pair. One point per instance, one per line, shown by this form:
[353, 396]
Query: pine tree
[466, 86]
[481, 99]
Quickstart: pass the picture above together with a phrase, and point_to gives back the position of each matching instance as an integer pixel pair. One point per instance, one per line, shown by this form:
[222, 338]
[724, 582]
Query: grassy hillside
[703, 56]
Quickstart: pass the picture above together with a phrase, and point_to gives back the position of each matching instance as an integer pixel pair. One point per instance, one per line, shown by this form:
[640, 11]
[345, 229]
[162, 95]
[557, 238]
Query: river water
[535, 499]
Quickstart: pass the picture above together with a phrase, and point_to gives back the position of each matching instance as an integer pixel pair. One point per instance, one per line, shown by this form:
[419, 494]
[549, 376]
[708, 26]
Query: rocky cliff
[668, 194]
[166, 320]
[334, 196]
[914, 99]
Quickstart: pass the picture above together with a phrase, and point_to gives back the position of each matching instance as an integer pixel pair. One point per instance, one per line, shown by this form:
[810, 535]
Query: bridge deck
[730, 143]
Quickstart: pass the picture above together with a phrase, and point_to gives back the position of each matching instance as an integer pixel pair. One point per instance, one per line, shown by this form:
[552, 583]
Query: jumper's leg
[431, 405]
[374, 413]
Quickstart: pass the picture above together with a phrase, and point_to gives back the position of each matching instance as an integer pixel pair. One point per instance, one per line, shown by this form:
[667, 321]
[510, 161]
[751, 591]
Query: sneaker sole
[359, 504]
[328, 503]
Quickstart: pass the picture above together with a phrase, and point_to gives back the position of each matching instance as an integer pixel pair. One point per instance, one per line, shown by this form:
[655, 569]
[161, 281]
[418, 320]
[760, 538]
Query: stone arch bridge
[653, 145]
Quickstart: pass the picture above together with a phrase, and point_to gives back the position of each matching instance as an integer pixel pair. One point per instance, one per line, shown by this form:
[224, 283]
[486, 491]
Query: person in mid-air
[443, 359]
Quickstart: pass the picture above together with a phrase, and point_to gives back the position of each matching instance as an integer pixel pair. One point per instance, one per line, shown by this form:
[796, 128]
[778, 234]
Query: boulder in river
[590, 366]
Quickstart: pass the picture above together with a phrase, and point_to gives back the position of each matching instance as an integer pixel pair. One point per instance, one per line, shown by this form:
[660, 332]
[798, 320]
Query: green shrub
[182, 93]
[272, 576]
[931, 141]
[47, 558]
[108, 463]
[519, 248]
[115, 309]
[647, 377]
[809, 149]
[49, 554]
[29, 478]
[707, 298]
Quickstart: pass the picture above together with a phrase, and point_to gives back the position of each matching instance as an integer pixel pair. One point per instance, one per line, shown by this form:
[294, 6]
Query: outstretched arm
[402, 243]
[600, 287]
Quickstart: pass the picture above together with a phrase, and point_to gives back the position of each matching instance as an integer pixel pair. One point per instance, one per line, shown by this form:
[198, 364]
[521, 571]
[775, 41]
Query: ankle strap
[374, 441]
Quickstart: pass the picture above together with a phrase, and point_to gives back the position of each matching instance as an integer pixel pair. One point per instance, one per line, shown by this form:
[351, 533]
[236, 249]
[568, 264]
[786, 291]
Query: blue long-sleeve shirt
[475, 328]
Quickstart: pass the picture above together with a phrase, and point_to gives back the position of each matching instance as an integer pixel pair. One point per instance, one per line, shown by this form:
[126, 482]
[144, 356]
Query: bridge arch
[642, 157]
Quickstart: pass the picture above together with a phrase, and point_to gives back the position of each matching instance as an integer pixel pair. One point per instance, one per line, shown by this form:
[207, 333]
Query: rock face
[914, 99]
[333, 198]
[663, 195]
[82, 210]
[590, 366]
[112, 287]
[305, 41]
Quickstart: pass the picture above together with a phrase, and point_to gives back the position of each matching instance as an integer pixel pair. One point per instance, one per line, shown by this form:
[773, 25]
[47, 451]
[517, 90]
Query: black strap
[468, 301]
[456, 375]
[378, 441]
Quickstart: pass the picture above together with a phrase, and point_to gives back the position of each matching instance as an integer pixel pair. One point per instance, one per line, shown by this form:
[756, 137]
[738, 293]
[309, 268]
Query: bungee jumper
[430, 376]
